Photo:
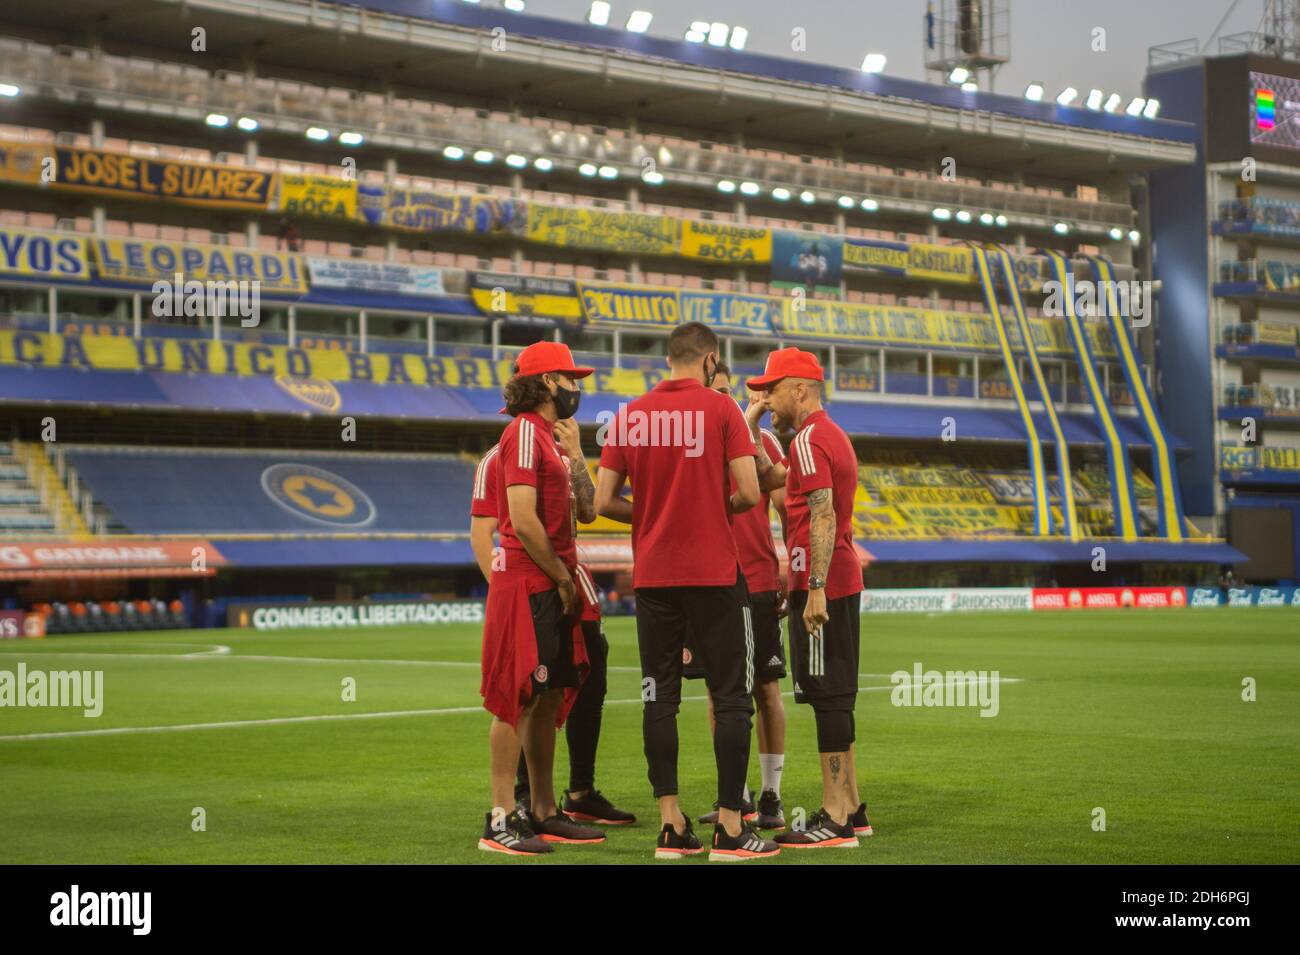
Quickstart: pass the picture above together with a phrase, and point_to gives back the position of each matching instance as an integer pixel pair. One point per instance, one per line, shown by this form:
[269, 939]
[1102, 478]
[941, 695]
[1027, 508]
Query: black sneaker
[560, 828]
[594, 807]
[861, 825]
[820, 832]
[748, 813]
[513, 836]
[673, 846]
[748, 845]
[770, 813]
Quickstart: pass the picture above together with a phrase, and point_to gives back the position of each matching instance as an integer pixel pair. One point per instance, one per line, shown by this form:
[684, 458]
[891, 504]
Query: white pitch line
[181, 727]
[214, 650]
[282, 720]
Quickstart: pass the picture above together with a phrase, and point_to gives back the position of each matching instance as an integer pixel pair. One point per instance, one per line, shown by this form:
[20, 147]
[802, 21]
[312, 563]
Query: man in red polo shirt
[583, 802]
[753, 532]
[534, 657]
[820, 475]
[677, 445]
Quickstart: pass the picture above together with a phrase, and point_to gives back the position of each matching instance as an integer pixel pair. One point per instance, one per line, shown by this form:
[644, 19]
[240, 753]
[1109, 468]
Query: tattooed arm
[821, 532]
[584, 489]
[821, 544]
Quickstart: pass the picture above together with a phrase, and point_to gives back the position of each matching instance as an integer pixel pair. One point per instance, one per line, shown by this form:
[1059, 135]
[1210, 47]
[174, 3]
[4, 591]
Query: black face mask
[566, 402]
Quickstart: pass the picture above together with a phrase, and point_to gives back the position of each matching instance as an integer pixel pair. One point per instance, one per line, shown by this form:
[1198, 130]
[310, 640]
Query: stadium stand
[214, 492]
[406, 237]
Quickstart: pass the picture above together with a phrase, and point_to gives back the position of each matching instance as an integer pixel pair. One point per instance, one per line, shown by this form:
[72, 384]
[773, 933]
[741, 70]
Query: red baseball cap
[540, 358]
[787, 363]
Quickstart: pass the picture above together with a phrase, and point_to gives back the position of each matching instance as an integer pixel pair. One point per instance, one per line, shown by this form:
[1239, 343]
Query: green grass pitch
[1139, 713]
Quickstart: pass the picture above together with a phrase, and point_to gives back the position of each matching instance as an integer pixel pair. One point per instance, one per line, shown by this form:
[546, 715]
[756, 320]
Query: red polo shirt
[527, 455]
[821, 455]
[674, 444]
[753, 531]
[484, 504]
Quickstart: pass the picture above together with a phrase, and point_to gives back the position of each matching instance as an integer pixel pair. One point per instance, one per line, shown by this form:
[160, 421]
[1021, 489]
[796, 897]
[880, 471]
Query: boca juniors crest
[318, 495]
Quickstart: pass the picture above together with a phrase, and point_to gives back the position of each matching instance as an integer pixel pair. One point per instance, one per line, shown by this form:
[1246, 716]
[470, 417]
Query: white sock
[771, 765]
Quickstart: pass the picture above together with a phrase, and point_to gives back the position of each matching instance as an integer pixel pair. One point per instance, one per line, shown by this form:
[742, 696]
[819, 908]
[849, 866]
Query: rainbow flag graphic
[1265, 109]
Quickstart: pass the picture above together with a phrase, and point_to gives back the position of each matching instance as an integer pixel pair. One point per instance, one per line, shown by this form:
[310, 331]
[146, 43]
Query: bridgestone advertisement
[354, 614]
[955, 600]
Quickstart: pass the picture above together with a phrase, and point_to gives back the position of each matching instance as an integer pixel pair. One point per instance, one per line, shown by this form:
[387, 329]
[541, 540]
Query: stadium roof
[447, 45]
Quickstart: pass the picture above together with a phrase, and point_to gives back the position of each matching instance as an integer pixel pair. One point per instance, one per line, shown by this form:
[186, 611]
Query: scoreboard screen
[1274, 110]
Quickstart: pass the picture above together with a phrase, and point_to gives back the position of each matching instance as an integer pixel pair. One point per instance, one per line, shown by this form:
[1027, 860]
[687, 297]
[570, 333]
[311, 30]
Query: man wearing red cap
[534, 657]
[678, 445]
[583, 802]
[820, 476]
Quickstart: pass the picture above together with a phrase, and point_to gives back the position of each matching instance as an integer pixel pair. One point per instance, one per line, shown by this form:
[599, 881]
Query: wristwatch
[816, 583]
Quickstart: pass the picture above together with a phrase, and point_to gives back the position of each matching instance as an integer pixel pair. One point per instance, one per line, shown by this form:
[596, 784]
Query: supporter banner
[583, 227]
[1233, 458]
[391, 277]
[1274, 333]
[953, 519]
[937, 263]
[372, 201]
[856, 381]
[630, 305]
[920, 328]
[871, 256]
[501, 293]
[660, 307]
[1016, 487]
[354, 615]
[887, 475]
[34, 557]
[145, 261]
[942, 263]
[1101, 598]
[729, 312]
[1280, 276]
[142, 177]
[316, 197]
[298, 370]
[807, 260]
[936, 495]
[24, 162]
[721, 242]
[1259, 459]
[953, 600]
[30, 253]
[1279, 459]
[420, 210]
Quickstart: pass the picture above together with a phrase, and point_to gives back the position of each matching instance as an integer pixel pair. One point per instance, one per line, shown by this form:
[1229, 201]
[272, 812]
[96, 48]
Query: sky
[1051, 40]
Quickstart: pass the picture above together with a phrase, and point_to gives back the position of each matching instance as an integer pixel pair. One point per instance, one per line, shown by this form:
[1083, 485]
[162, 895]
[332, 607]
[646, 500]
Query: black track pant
[718, 623]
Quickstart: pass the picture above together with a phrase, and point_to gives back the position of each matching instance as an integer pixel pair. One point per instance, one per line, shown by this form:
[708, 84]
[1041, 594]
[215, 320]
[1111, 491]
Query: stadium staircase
[33, 500]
